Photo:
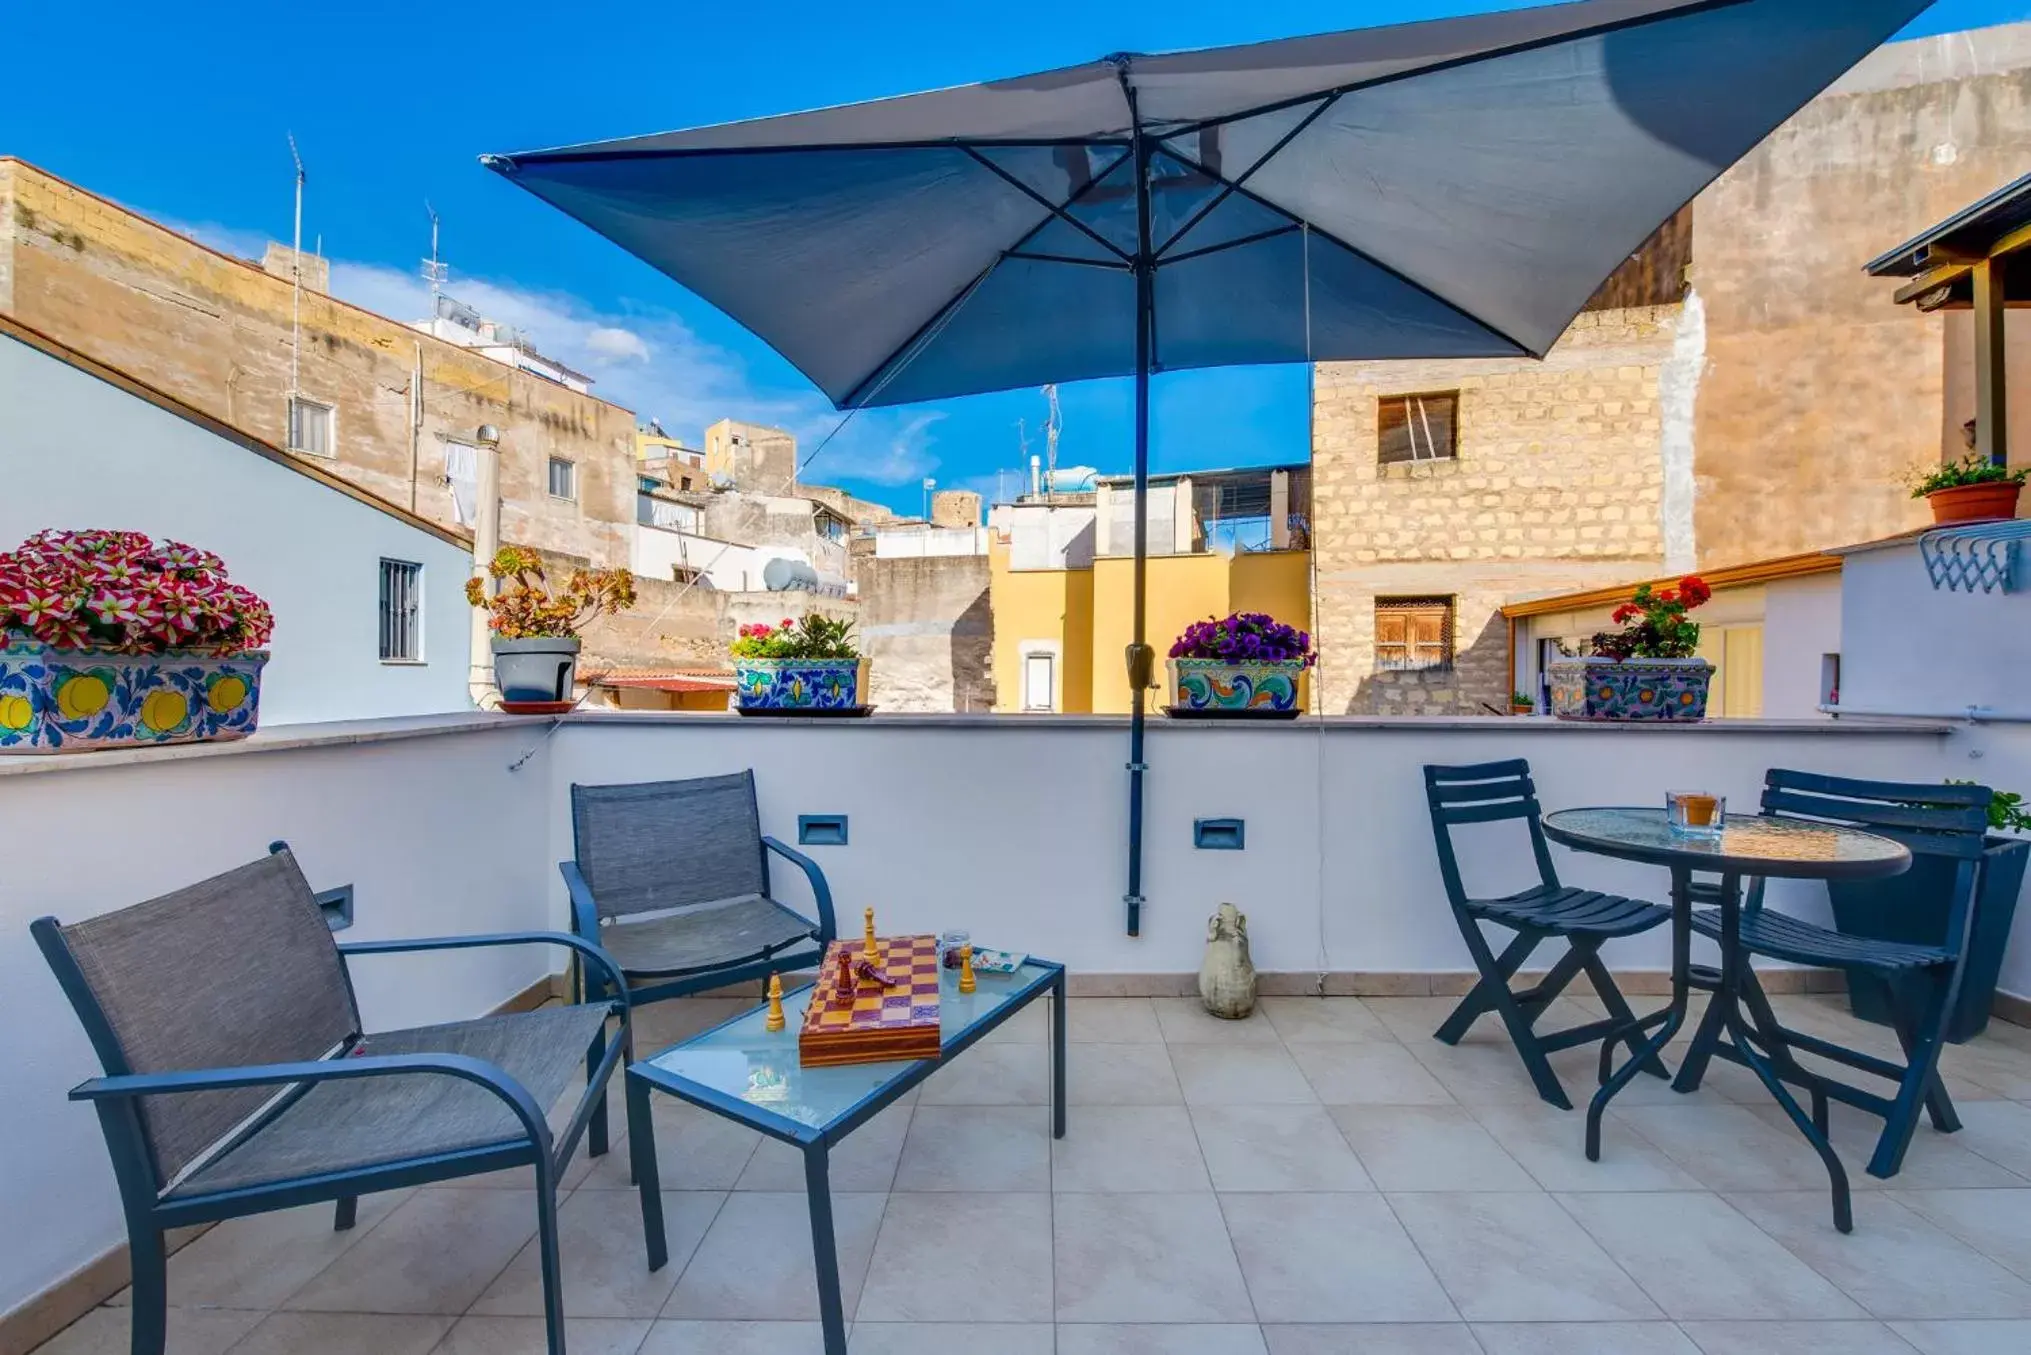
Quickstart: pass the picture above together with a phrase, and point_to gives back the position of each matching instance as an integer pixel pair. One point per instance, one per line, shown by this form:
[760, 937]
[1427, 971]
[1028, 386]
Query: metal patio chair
[1496, 791]
[672, 879]
[1939, 820]
[238, 1081]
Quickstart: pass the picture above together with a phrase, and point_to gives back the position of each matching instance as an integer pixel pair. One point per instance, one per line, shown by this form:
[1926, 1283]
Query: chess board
[866, 1023]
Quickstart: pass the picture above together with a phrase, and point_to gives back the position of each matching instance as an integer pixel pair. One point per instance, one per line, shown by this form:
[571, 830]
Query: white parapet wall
[1011, 829]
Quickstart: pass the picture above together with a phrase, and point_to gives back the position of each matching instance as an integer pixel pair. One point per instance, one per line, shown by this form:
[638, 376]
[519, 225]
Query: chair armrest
[828, 925]
[486, 1075]
[565, 939]
[584, 915]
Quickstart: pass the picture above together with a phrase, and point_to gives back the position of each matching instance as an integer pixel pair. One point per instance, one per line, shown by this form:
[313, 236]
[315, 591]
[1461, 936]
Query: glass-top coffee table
[746, 1073]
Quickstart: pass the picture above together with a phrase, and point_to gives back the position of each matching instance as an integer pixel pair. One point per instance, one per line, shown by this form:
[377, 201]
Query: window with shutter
[1417, 427]
[1413, 634]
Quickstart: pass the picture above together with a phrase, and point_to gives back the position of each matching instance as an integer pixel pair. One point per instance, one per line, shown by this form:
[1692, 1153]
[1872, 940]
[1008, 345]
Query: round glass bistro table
[1747, 847]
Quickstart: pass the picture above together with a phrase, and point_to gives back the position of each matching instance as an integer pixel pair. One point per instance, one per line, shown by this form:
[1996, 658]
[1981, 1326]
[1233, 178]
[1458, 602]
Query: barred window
[1413, 634]
[1417, 427]
[401, 612]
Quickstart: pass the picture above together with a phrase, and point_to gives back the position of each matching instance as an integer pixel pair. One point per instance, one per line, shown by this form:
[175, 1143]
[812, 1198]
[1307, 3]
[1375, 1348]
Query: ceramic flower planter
[1974, 503]
[72, 700]
[1210, 687]
[1629, 689]
[540, 671]
[800, 684]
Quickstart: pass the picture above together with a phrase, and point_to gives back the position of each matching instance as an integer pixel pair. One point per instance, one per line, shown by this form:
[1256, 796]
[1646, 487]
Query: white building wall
[729, 567]
[1801, 626]
[76, 452]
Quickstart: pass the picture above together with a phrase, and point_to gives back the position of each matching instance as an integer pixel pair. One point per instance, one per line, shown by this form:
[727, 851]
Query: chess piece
[966, 983]
[775, 1021]
[1227, 978]
[870, 945]
[845, 983]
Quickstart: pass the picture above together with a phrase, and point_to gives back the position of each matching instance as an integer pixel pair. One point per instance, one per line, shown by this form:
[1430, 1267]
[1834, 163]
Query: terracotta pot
[1975, 503]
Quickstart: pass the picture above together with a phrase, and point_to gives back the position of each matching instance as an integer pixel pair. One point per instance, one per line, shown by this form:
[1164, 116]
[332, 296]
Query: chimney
[277, 261]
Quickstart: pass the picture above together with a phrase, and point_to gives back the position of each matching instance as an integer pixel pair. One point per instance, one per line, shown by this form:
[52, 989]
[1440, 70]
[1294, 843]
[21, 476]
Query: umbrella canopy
[1450, 189]
[1466, 185]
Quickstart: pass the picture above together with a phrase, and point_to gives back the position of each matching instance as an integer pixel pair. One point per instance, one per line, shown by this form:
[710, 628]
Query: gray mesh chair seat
[339, 1126]
[709, 936]
[672, 879]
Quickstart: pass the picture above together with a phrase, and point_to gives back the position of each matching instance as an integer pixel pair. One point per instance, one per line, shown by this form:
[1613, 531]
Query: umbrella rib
[1239, 241]
[906, 352]
[508, 163]
[1108, 264]
[1244, 176]
[1053, 208]
[1510, 49]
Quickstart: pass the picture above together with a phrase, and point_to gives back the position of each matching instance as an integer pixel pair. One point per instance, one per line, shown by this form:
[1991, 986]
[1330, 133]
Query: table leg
[1681, 975]
[824, 1247]
[1058, 1057]
[648, 1176]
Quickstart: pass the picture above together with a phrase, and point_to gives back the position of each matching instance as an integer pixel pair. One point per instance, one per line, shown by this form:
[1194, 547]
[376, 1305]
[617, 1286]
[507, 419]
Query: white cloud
[622, 345]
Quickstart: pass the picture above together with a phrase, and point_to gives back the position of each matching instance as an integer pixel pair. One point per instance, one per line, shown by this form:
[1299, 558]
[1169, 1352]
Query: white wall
[918, 542]
[1801, 625]
[433, 833]
[76, 452]
[729, 567]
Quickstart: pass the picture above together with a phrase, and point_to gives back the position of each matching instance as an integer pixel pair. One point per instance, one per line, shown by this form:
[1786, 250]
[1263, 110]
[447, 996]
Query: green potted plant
[1243, 665]
[1646, 670]
[808, 666]
[112, 639]
[1913, 907]
[1972, 489]
[535, 631]
[1522, 703]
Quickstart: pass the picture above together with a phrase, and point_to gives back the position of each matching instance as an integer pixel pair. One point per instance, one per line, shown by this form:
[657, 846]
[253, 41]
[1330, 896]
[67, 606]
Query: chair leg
[150, 1311]
[596, 1127]
[546, 1244]
[1495, 975]
[1907, 1025]
[1495, 989]
[1617, 1008]
[1922, 1040]
[347, 1213]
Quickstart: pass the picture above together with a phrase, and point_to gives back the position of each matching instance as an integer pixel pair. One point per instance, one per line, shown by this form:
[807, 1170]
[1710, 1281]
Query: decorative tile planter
[1215, 687]
[71, 700]
[1629, 689]
[800, 684]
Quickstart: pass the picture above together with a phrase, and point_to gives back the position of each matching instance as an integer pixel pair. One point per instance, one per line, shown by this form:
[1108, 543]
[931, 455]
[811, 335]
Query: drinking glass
[1696, 813]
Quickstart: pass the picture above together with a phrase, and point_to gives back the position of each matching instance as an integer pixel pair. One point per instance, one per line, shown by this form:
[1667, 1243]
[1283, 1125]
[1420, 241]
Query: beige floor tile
[864, 1161]
[755, 1261]
[1550, 1144]
[1128, 1148]
[1239, 1075]
[1698, 1258]
[1112, 1020]
[1428, 1148]
[1121, 1075]
[604, 1257]
[1795, 1338]
[1185, 1020]
[1724, 1147]
[259, 1261]
[660, 1024]
[695, 1150]
[1145, 1258]
[1482, 1072]
[1935, 1161]
[1331, 1258]
[1102, 1338]
[529, 1336]
[1996, 1223]
[192, 1331]
[1280, 1148]
[977, 1148]
[343, 1334]
[1416, 1020]
[1373, 1338]
[1895, 1264]
[1514, 1257]
[1583, 1338]
[994, 1075]
[1966, 1337]
[1325, 1020]
[732, 1338]
[1998, 1130]
[986, 1255]
[1029, 1025]
[1372, 1074]
[436, 1253]
[944, 1338]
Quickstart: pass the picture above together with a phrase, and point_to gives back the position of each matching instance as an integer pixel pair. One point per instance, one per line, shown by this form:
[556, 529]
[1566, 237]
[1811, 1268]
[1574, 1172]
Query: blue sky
[182, 111]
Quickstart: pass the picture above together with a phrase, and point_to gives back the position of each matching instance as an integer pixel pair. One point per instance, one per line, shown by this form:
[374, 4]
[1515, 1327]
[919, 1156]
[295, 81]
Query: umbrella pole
[1141, 658]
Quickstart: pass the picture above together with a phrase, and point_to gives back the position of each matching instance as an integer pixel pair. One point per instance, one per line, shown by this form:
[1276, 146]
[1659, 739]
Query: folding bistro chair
[672, 879]
[1583, 918]
[237, 1080]
[1938, 820]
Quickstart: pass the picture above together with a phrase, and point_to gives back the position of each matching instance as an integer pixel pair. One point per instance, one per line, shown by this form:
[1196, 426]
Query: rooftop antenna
[1052, 427]
[296, 278]
[434, 271]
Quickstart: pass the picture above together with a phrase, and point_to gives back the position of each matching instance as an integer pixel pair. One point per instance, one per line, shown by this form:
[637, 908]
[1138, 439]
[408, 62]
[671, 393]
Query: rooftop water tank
[781, 575]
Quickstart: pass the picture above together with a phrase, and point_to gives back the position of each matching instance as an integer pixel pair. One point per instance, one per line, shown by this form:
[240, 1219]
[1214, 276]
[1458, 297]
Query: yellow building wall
[1054, 605]
[1279, 583]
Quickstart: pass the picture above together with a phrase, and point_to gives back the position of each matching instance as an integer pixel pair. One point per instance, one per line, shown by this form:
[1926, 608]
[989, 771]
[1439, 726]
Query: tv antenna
[434, 271]
[296, 277]
[1054, 425]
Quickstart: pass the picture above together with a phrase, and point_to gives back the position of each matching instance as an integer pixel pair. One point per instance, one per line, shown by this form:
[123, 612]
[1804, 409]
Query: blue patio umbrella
[1449, 189]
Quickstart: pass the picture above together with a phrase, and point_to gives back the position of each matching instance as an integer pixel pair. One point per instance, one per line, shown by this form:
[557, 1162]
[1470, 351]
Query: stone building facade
[215, 332]
[1740, 391]
[927, 626]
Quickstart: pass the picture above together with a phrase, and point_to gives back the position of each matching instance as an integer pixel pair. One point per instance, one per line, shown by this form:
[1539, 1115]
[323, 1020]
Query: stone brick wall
[1559, 483]
[927, 624]
[215, 333]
